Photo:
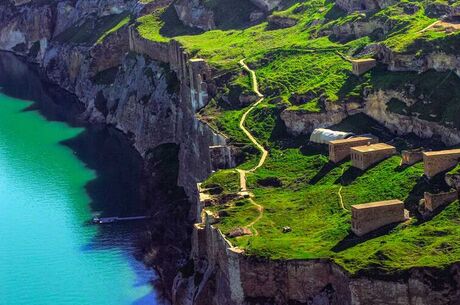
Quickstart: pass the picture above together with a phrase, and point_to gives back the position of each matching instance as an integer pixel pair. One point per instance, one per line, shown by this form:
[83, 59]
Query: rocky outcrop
[280, 22]
[300, 122]
[266, 5]
[26, 29]
[363, 5]
[358, 28]
[194, 13]
[437, 60]
[376, 107]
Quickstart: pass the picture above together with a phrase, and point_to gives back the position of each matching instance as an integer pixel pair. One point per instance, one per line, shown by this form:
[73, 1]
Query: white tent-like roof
[324, 136]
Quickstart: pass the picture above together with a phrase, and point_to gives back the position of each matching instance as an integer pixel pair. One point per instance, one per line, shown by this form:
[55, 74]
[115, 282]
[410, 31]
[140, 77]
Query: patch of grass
[227, 180]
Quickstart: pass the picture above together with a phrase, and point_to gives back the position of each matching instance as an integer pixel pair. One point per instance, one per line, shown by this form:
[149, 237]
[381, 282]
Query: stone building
[363, 157]
[340, 149]
[434, 201]
[371, 216]
[410, 157]
[436, 162]
[361, 66]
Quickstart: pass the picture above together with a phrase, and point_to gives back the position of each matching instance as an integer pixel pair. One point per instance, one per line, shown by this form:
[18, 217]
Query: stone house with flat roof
[340, 149]
[363, 157]
[368, 217]
[436, 162]
[361, 66]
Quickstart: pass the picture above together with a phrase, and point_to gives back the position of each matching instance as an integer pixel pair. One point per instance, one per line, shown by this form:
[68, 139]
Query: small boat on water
[104, 220]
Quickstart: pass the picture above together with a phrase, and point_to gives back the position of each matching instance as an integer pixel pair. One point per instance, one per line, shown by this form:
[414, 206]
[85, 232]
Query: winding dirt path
[264, 152]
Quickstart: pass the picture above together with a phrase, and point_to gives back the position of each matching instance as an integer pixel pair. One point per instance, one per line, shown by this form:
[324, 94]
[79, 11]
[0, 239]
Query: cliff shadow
[350, 175]
[352, 240]
[326, 169]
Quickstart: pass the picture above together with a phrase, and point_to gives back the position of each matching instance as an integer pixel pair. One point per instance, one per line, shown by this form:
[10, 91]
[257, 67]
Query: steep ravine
[151, 93]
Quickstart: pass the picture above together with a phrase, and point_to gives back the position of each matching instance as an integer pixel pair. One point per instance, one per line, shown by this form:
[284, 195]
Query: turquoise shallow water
[49, 254]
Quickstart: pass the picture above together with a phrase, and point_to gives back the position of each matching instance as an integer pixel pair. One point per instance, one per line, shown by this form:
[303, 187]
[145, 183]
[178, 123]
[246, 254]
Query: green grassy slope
[307, 61]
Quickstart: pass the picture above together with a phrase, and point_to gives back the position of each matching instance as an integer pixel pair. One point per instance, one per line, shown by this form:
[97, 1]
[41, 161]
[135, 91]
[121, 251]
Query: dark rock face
[194, 13]
[151, 96]
[363, 5]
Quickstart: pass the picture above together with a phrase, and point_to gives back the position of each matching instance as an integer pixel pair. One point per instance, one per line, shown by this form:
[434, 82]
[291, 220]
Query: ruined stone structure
[410, 157]
[434, 201]
[436, 162]
[340, 149]
[361, 66]
[363, 157]
[371, 216]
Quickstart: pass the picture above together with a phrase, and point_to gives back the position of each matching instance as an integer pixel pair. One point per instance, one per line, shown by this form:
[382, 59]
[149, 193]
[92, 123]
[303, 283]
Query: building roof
[350, 140]
[359, 60]
[325, 136]
[442, 152]
[377, 204]
[373, 147]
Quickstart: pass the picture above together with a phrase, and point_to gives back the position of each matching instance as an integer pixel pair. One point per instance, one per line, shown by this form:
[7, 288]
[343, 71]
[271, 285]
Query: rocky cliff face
[138, 94]
[195, 14]
[222, 275]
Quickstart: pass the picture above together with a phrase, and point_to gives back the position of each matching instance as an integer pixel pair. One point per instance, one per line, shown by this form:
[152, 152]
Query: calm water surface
[49, 253]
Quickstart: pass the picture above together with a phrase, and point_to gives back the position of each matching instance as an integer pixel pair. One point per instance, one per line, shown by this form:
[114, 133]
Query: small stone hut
[363, 157]
[435, 162]
[361, 66]
[340, 149]
[368, 217]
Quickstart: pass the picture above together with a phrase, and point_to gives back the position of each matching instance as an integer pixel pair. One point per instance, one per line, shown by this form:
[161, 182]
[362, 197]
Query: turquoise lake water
[49, 253]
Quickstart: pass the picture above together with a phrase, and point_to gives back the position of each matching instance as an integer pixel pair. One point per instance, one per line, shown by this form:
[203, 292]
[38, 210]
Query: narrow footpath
[263, 151]
[339, 193]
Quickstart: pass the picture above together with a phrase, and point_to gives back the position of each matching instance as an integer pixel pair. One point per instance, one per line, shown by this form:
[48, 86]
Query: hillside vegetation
[302, 67]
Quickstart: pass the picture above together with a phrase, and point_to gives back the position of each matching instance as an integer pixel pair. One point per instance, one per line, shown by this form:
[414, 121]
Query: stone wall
[434, 201]
[371, 216]
[436, 162]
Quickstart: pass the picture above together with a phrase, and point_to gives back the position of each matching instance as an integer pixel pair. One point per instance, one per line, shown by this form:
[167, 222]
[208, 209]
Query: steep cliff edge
[139, 94]
[151, 91]
[223, 275]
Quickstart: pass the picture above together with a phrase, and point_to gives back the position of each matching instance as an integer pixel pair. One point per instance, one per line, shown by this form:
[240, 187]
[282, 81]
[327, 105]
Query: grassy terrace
[297, 186]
